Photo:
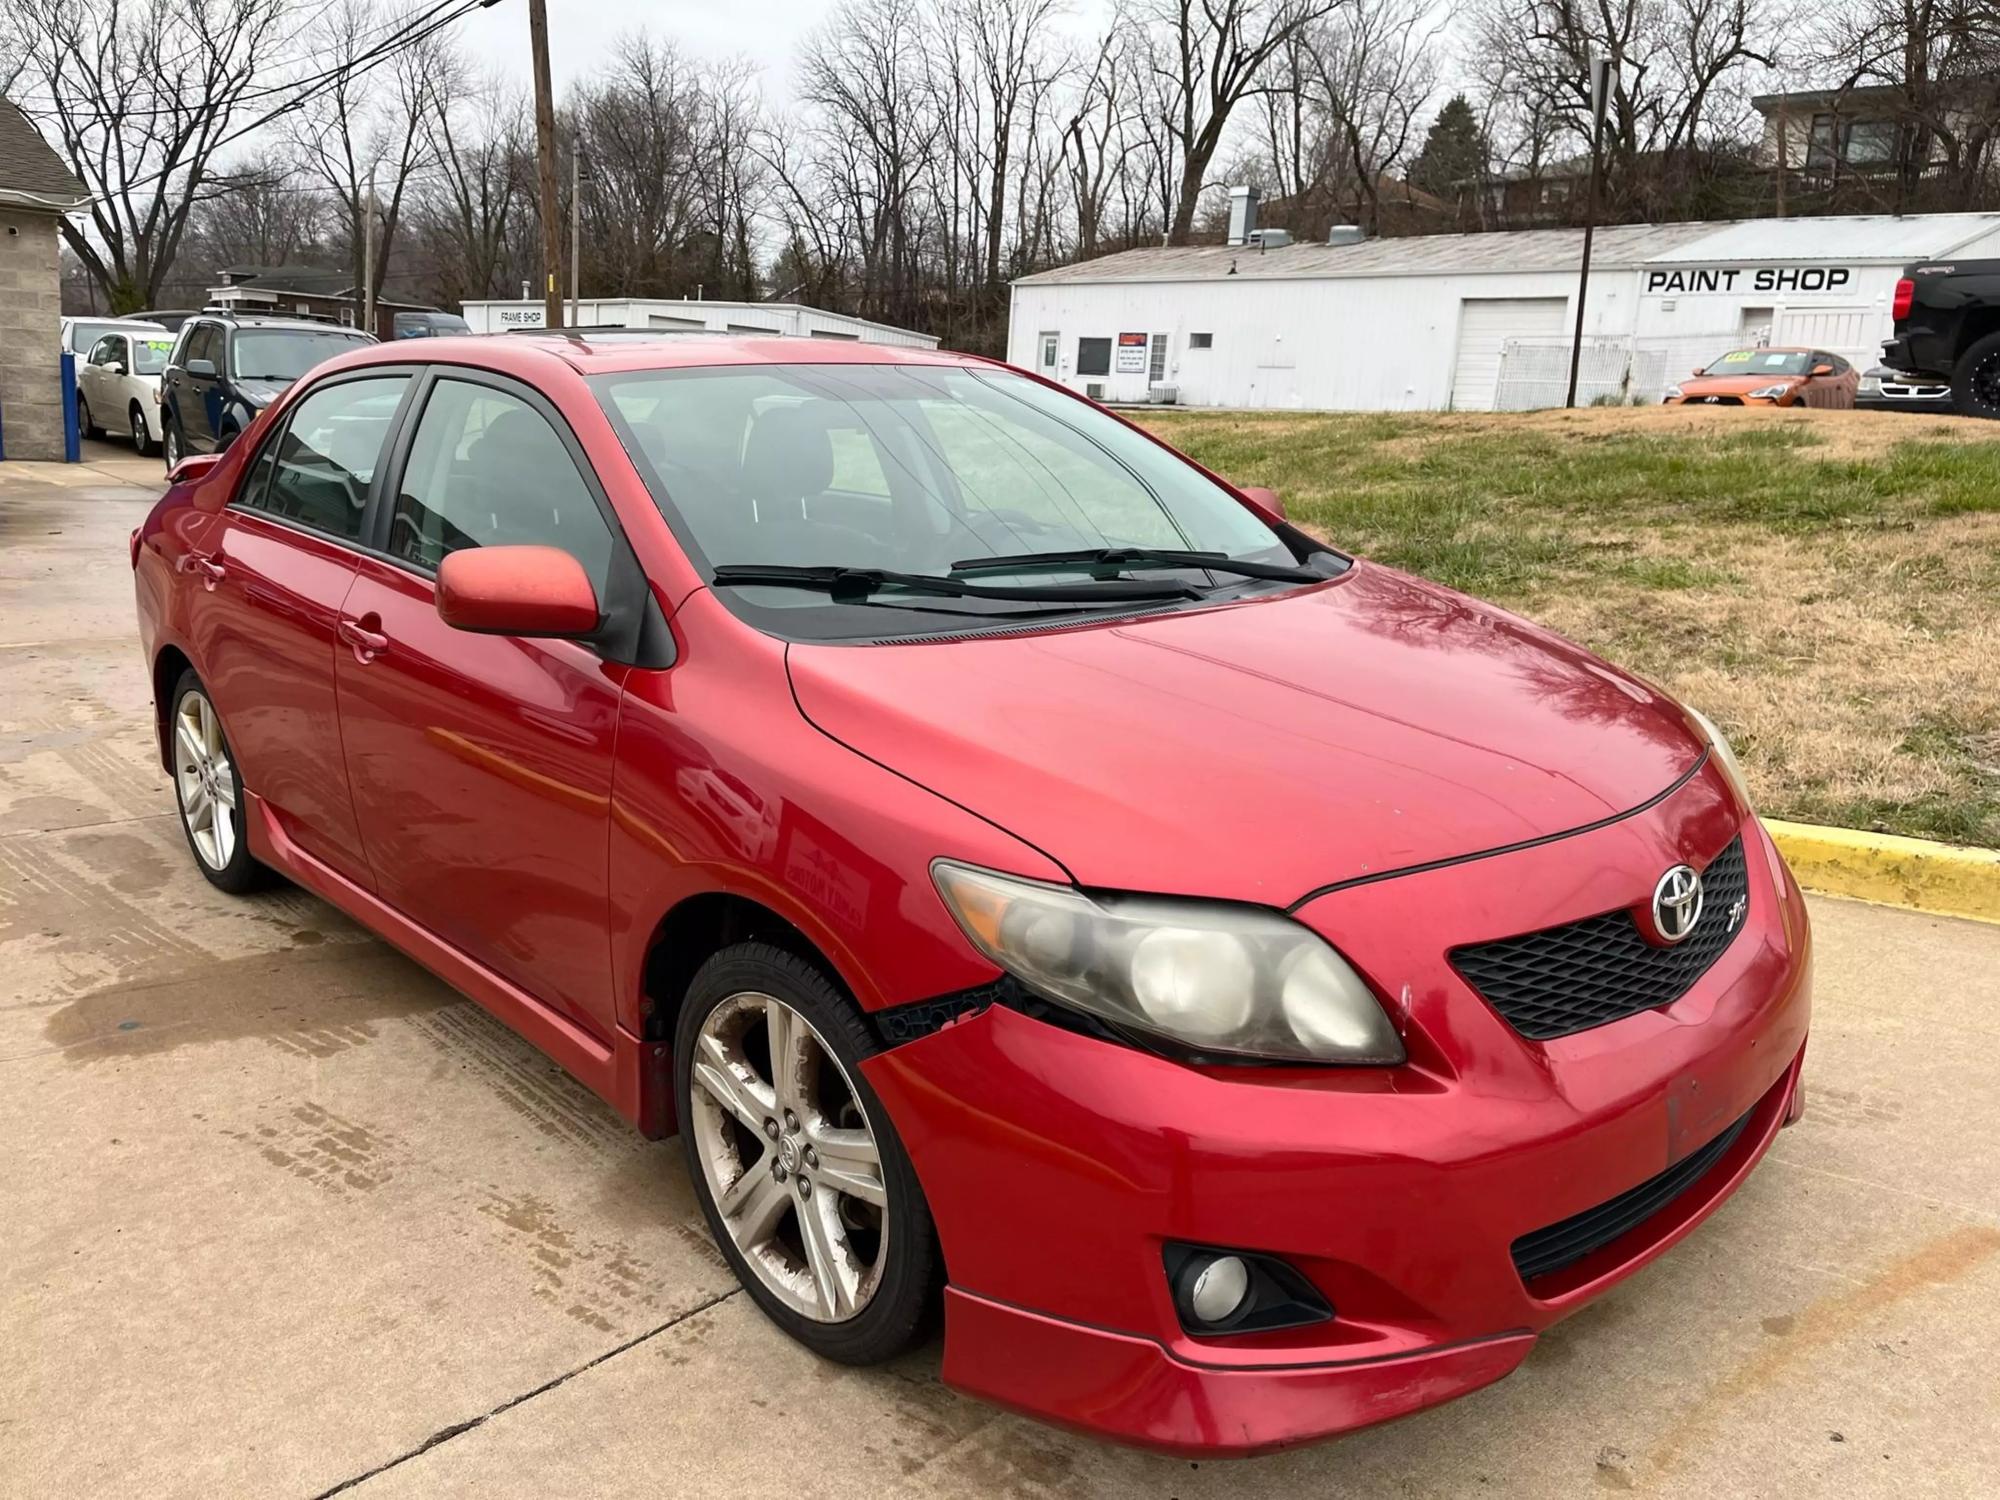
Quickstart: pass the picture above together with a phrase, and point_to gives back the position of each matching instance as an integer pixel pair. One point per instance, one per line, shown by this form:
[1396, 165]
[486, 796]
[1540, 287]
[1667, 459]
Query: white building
[1469, 321]
[787, 318]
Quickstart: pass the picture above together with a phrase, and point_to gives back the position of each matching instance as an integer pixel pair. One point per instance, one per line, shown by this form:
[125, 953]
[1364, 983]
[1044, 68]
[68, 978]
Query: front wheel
[208, 791]
[1975, 383]
[800, 1173]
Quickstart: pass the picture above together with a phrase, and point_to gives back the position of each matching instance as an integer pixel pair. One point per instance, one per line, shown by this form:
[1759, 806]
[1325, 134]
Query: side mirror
[194, 468]
[1697, 370]
[116, 367]
[531, 591]
[203, 368]
[1266, 500]
[1822, 369]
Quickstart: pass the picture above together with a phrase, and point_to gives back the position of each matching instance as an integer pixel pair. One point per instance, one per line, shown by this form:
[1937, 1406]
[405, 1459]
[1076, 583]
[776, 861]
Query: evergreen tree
[1454, 152]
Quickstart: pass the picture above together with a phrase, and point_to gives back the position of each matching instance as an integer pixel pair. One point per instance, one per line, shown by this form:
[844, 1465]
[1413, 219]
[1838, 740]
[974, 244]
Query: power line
[355, 67]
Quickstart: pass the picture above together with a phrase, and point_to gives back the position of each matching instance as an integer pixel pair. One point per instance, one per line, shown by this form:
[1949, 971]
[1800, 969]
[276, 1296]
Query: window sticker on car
[1775, 361]
[1740, 357]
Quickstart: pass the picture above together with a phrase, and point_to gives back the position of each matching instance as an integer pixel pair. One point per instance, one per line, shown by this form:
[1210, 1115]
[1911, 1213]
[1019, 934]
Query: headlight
[1771, 392]
[1673, 393]
[1724, 756]
[1870, 385]
[1219, 978]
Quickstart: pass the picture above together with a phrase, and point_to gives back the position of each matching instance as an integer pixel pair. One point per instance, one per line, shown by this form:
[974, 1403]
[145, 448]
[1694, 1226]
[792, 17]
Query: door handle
[211, 571]
[367, 644]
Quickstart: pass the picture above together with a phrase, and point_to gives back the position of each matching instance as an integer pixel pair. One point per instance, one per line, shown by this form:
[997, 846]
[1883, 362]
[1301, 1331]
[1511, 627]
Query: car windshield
[287, 353]
[1761, 362]
[913, 469]
[149, 356]
[84, 334]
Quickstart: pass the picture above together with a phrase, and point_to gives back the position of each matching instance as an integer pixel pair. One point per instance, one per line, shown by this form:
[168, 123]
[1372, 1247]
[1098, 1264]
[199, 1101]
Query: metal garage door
[1484, 325]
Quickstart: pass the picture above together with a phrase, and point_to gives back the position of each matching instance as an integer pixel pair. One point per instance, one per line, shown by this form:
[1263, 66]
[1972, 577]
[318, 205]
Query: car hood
[1734, 385]
[1261, 750]
[261, 393]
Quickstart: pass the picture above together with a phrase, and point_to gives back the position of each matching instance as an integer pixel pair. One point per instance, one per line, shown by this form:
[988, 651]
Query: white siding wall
[718, 317]
[1358, 343]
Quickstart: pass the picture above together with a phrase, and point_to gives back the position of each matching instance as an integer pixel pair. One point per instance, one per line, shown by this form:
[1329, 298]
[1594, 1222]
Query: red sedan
[1255, 991]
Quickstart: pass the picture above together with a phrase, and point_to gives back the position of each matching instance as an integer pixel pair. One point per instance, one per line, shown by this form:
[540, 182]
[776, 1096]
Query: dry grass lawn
[1825, 585]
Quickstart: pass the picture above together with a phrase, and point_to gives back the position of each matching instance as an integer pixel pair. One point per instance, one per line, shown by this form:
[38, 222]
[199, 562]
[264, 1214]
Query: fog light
[1218, 1289]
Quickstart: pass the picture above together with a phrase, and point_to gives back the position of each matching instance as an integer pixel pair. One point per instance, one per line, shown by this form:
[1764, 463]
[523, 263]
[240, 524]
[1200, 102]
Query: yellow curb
[1891, 869]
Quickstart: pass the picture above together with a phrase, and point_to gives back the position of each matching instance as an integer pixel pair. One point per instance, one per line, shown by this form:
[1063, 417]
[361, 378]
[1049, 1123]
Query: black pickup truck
[1948, 327]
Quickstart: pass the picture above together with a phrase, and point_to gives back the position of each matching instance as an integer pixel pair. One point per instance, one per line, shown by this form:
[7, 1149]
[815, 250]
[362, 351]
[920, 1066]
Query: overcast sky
[581, 32]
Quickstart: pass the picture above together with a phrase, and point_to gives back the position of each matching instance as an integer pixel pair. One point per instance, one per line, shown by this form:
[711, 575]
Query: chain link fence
[1534, 372]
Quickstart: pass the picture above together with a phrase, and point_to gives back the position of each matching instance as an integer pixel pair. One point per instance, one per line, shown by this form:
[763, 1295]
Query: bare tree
[139, 96]
[1205, 57]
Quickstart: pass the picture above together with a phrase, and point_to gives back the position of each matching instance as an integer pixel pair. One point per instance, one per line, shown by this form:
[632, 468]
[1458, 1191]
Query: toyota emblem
[1676, 904]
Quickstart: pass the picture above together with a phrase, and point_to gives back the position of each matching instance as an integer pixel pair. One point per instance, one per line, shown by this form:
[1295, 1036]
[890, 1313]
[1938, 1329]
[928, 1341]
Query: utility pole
[545, 162]
[579, 175]
[1600, 80]
[368, 257]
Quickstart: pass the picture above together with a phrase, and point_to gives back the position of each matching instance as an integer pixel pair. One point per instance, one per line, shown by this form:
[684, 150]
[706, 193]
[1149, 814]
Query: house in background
[306, 292]
[36, 190]
[1877, 145]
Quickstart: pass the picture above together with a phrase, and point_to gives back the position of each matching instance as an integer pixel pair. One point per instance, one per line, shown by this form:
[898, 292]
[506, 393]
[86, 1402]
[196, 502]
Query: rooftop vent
[1346, 234]
[1242, 214]
[1271, 239]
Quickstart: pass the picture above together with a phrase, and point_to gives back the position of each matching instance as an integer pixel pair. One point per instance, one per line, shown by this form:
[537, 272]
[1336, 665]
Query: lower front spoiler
[1130, 1389]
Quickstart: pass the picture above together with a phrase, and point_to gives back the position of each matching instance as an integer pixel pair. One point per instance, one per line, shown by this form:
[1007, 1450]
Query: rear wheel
[1975, 384]
[142, 435]
[803, 1180]
[208, 791]
[170, 442]
[85, 425]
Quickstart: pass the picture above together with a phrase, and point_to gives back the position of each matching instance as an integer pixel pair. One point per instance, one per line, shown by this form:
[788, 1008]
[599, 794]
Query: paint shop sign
[1727, 280]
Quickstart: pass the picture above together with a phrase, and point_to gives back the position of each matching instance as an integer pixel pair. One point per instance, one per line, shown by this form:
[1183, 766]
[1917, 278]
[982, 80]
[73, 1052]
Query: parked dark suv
[226, 367]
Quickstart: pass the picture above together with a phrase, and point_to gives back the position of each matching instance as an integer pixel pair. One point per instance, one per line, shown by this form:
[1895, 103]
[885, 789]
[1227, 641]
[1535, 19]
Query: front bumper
[1057, 1165]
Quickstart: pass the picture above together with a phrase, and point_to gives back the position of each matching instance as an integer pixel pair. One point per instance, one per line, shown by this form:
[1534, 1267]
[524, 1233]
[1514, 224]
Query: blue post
[72, 439]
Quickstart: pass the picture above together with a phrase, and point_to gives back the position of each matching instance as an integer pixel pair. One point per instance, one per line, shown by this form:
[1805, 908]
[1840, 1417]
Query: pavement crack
[446, 1434]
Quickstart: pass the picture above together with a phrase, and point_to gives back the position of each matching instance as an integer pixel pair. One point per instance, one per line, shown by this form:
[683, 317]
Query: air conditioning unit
[1163, 395]
[1094, 389]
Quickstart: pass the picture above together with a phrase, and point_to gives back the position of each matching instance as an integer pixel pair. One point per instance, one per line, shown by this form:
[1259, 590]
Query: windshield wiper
[1111, 558]
[853, 585]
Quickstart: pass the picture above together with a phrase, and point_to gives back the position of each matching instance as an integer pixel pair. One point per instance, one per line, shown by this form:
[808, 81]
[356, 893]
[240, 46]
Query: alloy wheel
[789, 1157]
[205, 781]
[172, 443]
[141, 438]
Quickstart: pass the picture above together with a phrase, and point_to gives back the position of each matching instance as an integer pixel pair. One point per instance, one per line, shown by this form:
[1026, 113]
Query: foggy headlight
[1217, 977]
[1672, 393]
[1725, 757]
[1770, 392]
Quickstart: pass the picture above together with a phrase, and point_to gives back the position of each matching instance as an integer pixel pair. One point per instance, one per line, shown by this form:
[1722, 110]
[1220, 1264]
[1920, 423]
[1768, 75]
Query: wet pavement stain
[128, 863]
[526, 1081]
[309, 1004]
[600, 1283]
[327, 1150]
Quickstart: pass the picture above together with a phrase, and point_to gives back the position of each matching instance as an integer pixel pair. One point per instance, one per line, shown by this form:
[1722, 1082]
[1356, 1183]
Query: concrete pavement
[284, 1216]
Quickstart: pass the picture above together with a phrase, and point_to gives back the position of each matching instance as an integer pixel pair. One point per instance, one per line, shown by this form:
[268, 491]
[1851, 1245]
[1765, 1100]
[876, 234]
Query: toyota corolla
[1251, 991]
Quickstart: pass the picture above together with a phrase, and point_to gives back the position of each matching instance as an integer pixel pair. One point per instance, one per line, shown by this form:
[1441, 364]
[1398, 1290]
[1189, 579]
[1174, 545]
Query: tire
[1975, 382]
[83, 422]
[208, 793]
[172, 448]
[772, 1176]
[142, 435]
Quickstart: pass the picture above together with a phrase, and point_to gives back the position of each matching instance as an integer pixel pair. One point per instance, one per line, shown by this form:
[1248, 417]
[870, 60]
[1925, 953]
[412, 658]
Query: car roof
[274, 320]
[112, 321]
[618, 351]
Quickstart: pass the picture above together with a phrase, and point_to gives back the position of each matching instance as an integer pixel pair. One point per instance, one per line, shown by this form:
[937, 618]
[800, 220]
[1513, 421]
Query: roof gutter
[42, 202]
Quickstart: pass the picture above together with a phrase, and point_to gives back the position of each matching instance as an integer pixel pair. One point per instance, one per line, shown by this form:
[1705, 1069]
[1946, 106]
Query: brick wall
[30, 336]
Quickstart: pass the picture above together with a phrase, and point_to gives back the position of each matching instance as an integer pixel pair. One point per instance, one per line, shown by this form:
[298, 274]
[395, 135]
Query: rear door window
[318, 472]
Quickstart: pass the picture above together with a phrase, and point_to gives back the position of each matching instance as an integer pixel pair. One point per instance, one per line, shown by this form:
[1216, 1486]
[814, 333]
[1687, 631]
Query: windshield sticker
[1776, 361]
[1740, 357]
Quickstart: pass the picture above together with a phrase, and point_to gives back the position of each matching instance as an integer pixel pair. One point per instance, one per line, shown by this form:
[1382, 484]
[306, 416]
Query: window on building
[1201, 341]
[1156, 362]
[1853, 143]
[1093, 356]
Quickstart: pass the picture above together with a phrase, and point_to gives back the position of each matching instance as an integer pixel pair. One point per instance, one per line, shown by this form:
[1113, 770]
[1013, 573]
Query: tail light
[1906, 293]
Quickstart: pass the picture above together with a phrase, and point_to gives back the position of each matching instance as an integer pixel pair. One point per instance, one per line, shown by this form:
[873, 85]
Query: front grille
[1716, 401]
[1569, 1240]
[1583, 974]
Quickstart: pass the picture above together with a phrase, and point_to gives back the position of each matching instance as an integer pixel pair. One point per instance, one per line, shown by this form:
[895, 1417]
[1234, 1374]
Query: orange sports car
[1770, 377]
